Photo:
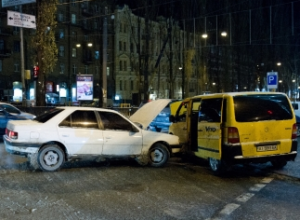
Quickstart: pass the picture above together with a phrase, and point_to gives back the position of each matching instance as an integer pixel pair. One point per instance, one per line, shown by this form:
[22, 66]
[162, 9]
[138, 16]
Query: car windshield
[262, 107]
[10, 108]
[48, 115]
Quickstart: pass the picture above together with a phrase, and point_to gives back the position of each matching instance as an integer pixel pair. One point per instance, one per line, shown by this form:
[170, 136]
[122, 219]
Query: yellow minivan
[233, 128]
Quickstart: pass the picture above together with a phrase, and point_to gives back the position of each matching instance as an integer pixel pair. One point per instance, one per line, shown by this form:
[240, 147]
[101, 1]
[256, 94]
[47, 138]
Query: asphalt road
[125, 190]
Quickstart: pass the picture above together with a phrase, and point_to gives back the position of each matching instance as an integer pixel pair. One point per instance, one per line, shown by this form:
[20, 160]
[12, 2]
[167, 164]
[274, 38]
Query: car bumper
[21, 149]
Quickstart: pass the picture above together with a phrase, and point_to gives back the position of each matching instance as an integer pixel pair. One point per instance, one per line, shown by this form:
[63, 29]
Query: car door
[120, 136]
[209, 128]
[81, 133]
[180, 126]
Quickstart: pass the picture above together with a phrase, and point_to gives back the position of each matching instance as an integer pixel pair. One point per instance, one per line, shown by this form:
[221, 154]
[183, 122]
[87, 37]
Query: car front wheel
[158, 155]
[51, 157]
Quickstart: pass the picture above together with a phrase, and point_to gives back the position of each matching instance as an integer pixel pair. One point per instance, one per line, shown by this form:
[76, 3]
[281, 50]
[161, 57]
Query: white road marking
[229, 208]
[244, 197]
[266, 180]
[257, 187]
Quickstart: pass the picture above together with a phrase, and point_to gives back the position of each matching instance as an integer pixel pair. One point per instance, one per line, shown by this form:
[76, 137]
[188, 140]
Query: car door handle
[108, 137]
[64, 135]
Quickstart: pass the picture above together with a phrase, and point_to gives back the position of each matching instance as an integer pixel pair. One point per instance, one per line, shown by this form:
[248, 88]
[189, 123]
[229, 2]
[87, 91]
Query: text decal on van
[210, 129]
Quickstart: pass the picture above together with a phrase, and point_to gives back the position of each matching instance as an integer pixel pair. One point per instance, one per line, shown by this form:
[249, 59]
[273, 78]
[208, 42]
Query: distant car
[296, 106]
[161, 123]
[15, 111]
[66, 133]
[5, 117]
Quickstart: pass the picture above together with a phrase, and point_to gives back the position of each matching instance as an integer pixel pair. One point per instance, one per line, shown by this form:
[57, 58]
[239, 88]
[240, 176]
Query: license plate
[266, 148]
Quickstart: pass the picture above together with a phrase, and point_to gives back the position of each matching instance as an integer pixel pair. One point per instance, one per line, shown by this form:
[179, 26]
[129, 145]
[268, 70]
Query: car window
[295, 106]
[10, 109]
[210, 110]
[47, 115]
[181, 113]
[80, 119]
[262, 107]
[2, 113]
[113, 121]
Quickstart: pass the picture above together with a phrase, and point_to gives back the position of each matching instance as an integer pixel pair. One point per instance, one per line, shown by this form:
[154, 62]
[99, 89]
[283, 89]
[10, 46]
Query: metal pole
[104, 66]
[22, 64]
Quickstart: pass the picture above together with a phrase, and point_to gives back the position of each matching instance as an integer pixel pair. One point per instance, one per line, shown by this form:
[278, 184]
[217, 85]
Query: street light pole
[22, 65]
[104, 63]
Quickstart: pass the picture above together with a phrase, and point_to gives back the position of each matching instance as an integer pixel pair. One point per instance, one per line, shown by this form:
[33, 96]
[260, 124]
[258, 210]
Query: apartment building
[83, 30]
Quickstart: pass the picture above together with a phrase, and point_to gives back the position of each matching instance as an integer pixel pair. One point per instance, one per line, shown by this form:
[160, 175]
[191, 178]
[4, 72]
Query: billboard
[84, 87]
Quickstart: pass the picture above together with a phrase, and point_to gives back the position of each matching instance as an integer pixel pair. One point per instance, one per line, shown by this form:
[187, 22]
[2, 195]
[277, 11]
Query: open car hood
[148, 112]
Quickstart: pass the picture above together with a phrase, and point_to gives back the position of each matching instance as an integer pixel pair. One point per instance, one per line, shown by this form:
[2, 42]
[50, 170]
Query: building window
[120, 46]
[124, 28]
[86, 37]
[16, 46]
[73, 2]
[73, 19]
[62, 68]
[74, 35]
[121, 66]
[74, 69]
[107, 71]
[131, 85]
[95, 25]
[96, 70]
[125, 65]
[61, 51]
[131, 48]
[73, 52]
[60, 17]
[124, 48]
[16, 67]
[0, 65]
[97, 55]
[86, 69]
[61, 33]
[120, 85]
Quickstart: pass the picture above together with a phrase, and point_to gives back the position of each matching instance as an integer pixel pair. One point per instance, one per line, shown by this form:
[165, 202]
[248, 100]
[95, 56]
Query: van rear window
[262, 107]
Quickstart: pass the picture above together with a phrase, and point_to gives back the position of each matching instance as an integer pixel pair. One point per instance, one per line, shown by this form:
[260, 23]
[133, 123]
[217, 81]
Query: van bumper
[233, 155]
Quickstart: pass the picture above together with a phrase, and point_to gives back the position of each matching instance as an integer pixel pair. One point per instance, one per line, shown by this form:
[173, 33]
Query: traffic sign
[272, 80]
[8, 3]
[20, 20]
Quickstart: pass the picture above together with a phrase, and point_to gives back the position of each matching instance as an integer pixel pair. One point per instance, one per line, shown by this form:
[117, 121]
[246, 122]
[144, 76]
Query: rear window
[48, 115]
[262, 107]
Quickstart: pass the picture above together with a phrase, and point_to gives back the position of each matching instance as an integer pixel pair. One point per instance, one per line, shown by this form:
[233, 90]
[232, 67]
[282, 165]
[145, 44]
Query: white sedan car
[66, 133]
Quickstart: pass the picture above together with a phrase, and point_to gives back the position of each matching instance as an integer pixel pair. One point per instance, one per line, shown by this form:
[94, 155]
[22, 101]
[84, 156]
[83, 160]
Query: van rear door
[265, 124]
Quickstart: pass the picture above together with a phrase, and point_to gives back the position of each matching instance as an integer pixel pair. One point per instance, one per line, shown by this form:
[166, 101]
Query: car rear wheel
[158, 155]
[217, 166]
[278, 164]
[51, 157]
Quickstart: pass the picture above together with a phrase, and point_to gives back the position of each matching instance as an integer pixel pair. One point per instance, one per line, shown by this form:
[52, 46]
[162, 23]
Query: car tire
[217, 166]
[51, 157]
[158, 155]
[278, 164]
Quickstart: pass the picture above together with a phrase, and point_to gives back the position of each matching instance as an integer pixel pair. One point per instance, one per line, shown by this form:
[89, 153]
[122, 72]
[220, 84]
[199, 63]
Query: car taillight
[11, 134]
[233, 135]
[294, 133]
